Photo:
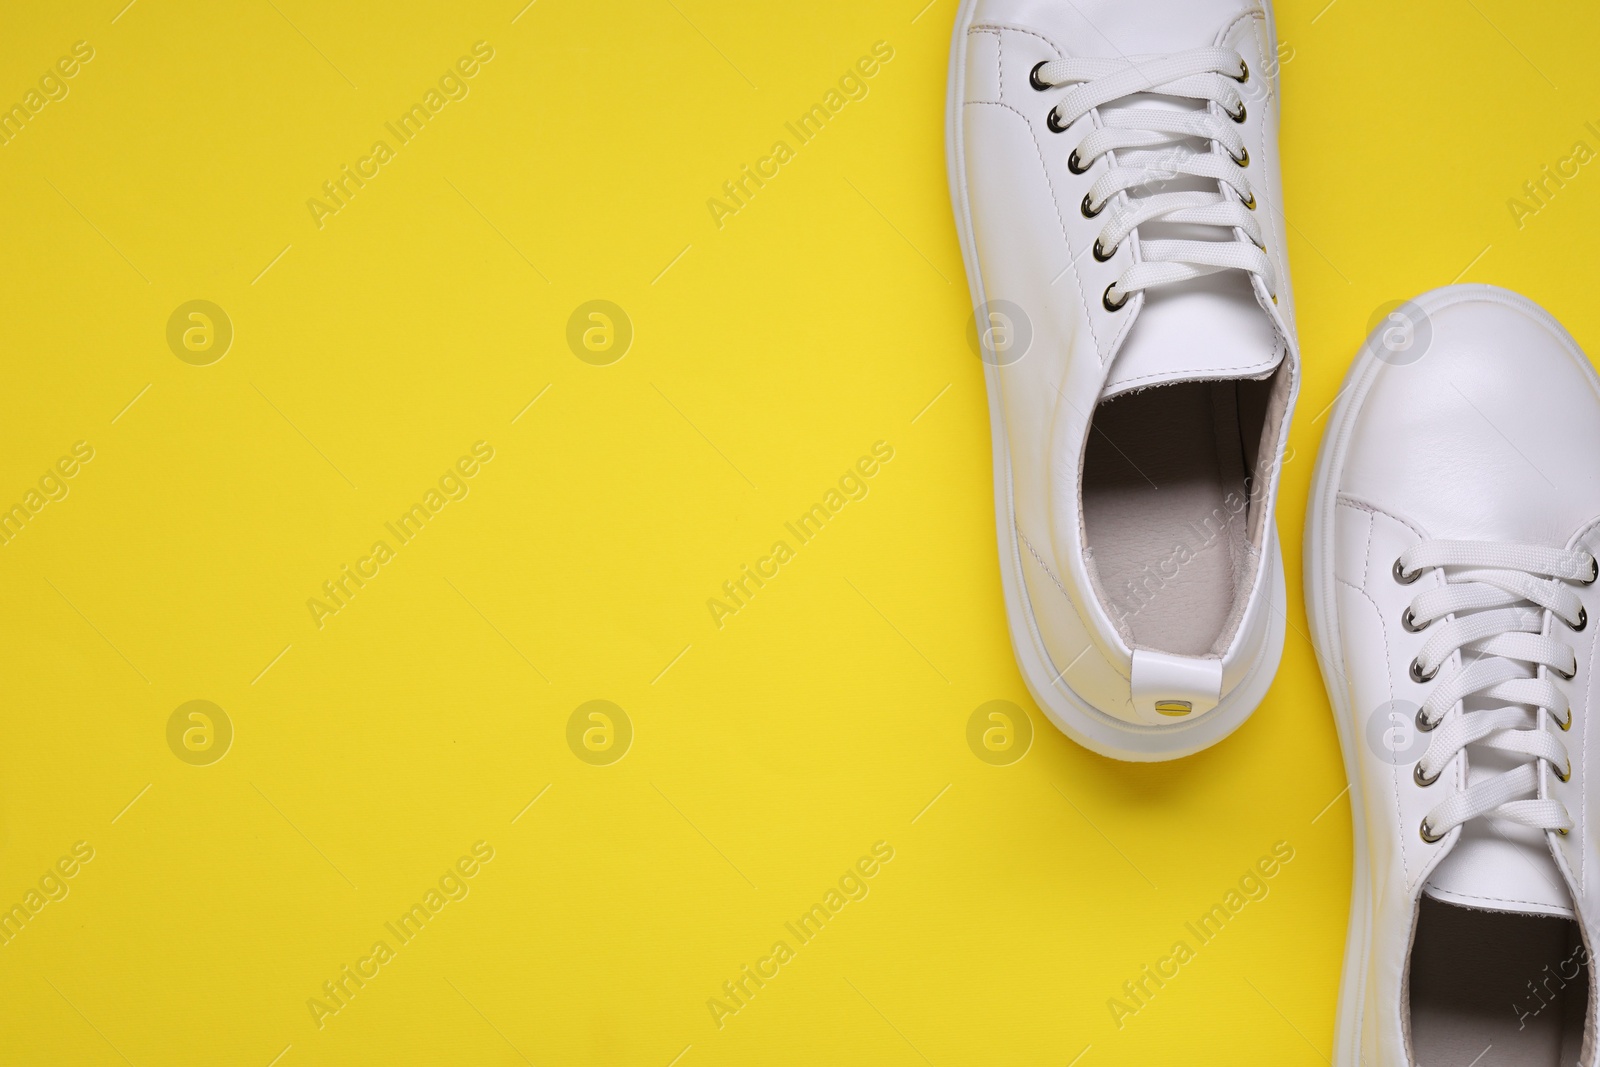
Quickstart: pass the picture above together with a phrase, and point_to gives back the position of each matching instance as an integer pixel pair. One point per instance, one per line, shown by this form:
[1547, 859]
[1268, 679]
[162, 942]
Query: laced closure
[1149, 145]
[1494, 605]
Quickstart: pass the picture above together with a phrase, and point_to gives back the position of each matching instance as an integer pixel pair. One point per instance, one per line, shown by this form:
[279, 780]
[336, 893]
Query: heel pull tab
[1170, 689]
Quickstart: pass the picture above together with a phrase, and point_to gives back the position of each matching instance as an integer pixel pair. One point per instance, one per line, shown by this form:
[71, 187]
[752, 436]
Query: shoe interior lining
[1495, 989]
[1172, 532]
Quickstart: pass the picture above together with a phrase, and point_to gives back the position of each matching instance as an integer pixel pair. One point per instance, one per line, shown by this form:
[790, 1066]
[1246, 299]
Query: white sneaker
[1450, 565]
[1114, 173]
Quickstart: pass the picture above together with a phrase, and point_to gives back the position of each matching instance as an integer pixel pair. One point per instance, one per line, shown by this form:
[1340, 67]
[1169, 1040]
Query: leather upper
[1492, 433]
[1033, 250]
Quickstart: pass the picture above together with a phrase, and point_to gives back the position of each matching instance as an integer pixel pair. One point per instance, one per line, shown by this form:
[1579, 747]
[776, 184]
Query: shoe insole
[1496, 990]
[1165, 511]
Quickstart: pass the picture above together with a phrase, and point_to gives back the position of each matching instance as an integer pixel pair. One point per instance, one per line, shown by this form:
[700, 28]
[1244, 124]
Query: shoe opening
[1497, 989]
[1172, 508]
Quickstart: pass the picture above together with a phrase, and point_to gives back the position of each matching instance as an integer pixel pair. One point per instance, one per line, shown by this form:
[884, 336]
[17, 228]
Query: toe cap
[1482, 420]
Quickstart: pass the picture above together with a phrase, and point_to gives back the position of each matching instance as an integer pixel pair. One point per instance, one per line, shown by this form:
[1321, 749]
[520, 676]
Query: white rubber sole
[1318, 577]
[1071, 714]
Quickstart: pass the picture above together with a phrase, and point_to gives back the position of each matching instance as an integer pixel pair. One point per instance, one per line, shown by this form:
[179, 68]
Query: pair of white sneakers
[1114, 173]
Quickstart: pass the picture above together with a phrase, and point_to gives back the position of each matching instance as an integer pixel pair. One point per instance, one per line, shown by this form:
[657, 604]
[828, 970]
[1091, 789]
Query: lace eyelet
[1100, 254]
[1403, 576]
[1583, 621]
[1594, 571]
[1565, 724]
[1243, 75]
[1563, 675]
[1428, 835]
[1033, 77]
[1243, 161]
[1417, 675]
[1075, 165]
[1408, 621]
[1562, 777]
[1089, 211]
[1053, 123]
[1238, 116]
[1416, 776]
[1105, 299]
[1250, 205]
[1425, 725]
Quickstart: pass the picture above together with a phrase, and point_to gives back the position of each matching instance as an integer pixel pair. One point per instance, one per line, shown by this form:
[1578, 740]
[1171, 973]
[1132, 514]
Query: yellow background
[768, 355]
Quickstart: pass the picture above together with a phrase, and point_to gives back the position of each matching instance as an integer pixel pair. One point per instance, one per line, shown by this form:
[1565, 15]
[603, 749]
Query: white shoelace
[1496, 595]
[1151, 146]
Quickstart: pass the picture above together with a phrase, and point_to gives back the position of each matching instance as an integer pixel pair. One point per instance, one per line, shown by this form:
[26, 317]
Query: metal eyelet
[1594, 571]
[1416, 776]
[1100, 254]
[1409, 622]
[1567, 723]
[1105, 299]
[1237, 116]
[1403, 576]
[1425, 725]
[1088, 211]
[1563, 675]
[1243, 75]
[1033, 77]
[1417, 675]
[1583, 620]
[1562, 777]
[1075, 165]
[1428, 835]
[1243, 161]
[1250, 205]
[1053, 124]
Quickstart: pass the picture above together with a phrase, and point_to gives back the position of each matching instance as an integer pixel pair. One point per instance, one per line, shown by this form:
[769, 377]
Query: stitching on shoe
[1265, 365]
[1282, 245]
[1054, 203]
[999, 61]
[999, 67]
[1248, 16]
[1344, 500]
[996, 27]
[1497, 900]
[1055, 199]
[1040, 561]
[1367, 552]
[1347, 500]
[1394, 769]
[1583, 786]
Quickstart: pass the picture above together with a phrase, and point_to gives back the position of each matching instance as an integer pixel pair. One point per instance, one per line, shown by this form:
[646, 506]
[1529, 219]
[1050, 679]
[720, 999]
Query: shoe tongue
[1503, 866]
[1210, 328]
[1207, 329]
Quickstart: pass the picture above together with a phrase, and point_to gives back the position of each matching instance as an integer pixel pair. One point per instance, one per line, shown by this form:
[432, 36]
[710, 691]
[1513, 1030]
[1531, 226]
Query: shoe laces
[1153, 142]
[1497, 608]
